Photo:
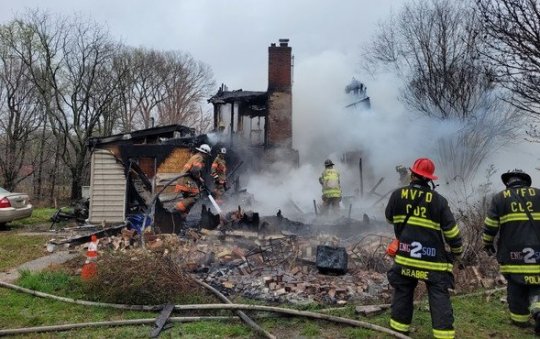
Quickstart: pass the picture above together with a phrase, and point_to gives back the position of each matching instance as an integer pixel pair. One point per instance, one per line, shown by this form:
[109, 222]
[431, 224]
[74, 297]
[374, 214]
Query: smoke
[282, 187]
[324, 128]
[386, 135]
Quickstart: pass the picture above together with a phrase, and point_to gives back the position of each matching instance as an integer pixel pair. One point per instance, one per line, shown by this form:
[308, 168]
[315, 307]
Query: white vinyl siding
[107, 189]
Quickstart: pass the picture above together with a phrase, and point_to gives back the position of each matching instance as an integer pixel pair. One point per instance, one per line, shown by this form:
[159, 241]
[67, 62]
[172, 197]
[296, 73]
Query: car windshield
[3, 190]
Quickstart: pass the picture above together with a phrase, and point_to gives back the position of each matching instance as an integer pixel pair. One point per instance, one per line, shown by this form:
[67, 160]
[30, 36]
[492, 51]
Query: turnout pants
[523, 300]
[442, 317]
[331, 205]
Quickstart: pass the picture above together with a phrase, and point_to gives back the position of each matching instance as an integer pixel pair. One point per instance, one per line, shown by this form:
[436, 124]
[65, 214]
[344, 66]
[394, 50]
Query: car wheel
[3, 226]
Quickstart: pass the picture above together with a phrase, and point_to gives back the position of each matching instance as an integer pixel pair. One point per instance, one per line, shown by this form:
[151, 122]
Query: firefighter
[219, 174]
[189, 185]
[514, 216]
[331, 187]
[422, 223]
[403, 175]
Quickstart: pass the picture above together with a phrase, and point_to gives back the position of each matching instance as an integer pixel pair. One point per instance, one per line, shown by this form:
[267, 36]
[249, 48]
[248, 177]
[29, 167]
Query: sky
[231, 36]
[326, 38]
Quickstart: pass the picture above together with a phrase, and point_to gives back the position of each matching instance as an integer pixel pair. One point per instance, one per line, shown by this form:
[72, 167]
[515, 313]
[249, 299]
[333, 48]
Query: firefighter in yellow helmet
[189, 184]
[331, 187]
[423, 223]
[219, 174]
[514, 217]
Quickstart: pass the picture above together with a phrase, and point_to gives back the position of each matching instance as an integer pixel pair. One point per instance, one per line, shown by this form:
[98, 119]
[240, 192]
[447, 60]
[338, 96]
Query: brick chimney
[279, 66]
[279, 122]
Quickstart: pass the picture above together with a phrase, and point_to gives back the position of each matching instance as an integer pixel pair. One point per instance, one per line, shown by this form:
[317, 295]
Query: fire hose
[313, 315]
[152, 203]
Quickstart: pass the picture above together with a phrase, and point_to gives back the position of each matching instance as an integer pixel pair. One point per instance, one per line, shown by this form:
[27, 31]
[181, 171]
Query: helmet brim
[201, 150]
[424, 174]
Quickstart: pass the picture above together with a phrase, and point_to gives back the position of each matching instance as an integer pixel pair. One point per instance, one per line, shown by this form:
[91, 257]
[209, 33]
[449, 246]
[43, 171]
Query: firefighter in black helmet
[422, 223]
[514, 215]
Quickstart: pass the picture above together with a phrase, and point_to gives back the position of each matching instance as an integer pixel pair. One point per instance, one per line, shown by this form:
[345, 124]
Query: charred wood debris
[274, 259]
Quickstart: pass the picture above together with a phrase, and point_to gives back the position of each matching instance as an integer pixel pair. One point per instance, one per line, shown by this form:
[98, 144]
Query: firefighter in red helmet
[514, 215]
[422, 223]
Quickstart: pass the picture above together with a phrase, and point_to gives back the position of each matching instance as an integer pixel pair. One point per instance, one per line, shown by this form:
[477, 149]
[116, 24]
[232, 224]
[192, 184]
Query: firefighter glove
[490, 249]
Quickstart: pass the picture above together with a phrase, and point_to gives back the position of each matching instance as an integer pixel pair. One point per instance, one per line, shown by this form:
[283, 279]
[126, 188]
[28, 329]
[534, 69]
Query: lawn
[476, 317]
[17, 249]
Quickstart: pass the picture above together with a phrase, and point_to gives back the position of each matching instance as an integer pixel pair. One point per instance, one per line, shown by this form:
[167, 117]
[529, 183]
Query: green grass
[17, 249]
[52, 282]
[476, 317]
[40, 216]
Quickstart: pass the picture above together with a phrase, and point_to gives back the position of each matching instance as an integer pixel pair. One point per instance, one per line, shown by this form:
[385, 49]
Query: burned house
[127, 170]
[259, 123]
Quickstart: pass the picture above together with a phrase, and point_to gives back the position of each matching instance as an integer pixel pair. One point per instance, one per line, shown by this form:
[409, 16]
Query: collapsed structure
[260, 123]
[128, 170]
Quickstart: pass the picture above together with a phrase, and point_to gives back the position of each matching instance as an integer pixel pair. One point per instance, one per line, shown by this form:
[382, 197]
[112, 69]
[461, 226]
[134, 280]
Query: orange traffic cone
[89, 269]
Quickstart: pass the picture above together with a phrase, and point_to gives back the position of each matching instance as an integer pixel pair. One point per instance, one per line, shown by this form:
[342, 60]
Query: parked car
[13, 206]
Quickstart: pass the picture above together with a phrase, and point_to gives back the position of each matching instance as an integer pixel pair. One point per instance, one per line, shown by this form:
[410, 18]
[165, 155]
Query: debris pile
[280, 268]
[276, 260]
[139, 277]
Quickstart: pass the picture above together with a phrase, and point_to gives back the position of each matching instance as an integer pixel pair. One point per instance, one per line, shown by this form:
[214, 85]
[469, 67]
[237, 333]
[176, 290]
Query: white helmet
[223, 150]
[204, 148]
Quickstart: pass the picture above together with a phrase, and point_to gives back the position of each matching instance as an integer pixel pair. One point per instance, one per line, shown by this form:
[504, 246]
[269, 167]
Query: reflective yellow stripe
[416, 221]
[457, 249]
[396, 325]
[529, 269]
[535, 307]
[451, 233]
[444, 334]
[428, 265]
[491, 222]
[518, 217]
[520, 318]
[487, 238]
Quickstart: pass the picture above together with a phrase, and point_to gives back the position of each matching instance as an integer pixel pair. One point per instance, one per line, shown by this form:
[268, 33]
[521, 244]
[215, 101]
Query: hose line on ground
[240, 314]
[128, 322]
[356, 323]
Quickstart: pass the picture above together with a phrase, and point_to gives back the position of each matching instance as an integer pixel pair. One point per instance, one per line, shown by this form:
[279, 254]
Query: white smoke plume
[387, 135]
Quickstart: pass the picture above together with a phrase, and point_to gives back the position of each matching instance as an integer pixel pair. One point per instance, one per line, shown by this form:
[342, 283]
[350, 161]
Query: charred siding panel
[108, 189]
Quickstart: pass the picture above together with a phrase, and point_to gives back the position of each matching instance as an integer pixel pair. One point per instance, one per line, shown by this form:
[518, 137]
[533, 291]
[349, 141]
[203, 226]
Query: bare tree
[69, 78]
[69, 65]
[190, 82]
[512, 34]
[435, 47]
[19, 116]
[124, 70]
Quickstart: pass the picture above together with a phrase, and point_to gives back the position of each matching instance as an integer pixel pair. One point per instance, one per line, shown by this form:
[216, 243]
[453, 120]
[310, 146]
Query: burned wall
[279, 126]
